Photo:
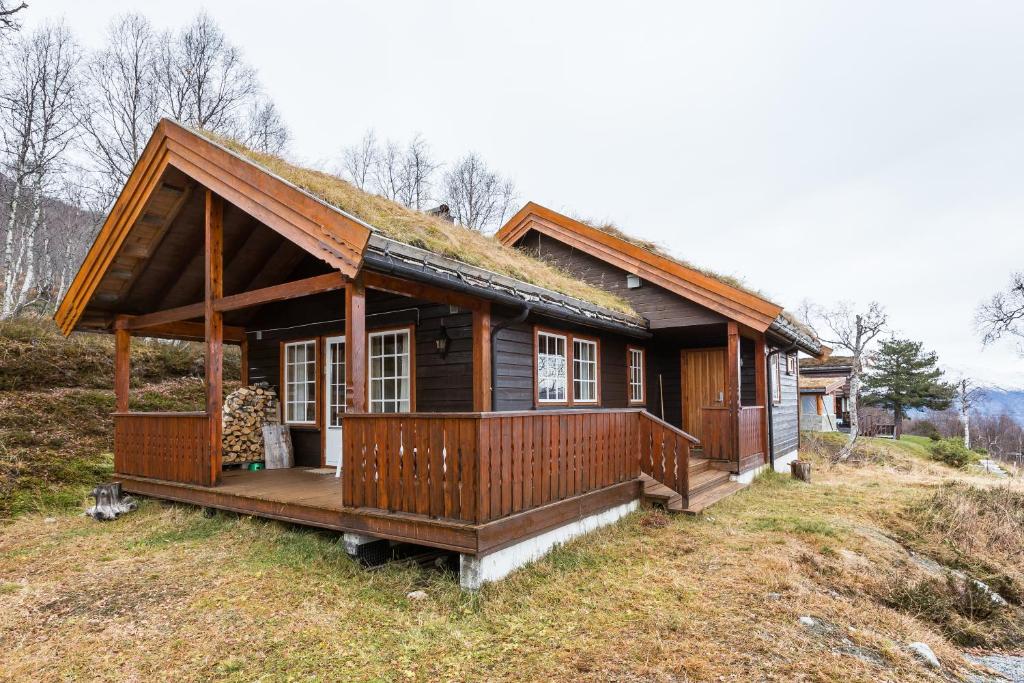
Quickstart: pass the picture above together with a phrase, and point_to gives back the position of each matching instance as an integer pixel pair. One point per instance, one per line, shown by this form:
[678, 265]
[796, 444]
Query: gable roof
[826, 385]
[324, 215]
[722, 297]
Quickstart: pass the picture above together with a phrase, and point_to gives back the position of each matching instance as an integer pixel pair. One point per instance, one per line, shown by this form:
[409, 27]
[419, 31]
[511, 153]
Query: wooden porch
[468, 482]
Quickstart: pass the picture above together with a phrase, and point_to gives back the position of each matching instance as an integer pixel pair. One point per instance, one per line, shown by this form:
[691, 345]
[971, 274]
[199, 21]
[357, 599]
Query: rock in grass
[809, 622]
[925, 654]
[417, 595]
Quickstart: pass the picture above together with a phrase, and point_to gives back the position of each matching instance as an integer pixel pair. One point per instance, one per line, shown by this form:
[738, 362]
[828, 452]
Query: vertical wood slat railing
[167, 446]
[665, 453]
[716, 438]
[479, 467]
[750, 425]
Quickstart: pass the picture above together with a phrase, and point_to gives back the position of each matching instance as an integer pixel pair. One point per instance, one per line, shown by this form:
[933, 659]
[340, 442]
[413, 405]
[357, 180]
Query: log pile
[246, 410]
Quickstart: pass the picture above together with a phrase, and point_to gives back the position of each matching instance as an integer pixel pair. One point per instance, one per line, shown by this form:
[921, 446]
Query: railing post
[214, 322]
[482, 358]
[355, 346]
[733, 379]
[761, 374]
[122, 364]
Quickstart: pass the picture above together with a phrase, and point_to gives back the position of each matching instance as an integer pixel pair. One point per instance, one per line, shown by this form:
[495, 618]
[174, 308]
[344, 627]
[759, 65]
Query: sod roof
[421, 230]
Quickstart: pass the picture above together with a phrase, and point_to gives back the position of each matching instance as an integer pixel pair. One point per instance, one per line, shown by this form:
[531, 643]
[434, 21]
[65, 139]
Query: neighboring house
[824, 393]
[441, 387]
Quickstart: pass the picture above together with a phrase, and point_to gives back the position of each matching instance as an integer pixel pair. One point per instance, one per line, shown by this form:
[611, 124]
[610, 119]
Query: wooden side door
[703, 385]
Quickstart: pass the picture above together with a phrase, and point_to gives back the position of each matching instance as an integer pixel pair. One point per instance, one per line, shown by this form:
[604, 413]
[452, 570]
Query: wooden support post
[122, 367]
[761, 375]
[733, 379]
[355, 346]
[244, 348]
[482, 359]
[214, 320]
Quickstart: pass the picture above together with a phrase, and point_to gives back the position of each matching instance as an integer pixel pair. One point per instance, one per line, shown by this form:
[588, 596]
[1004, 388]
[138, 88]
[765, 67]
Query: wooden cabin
[491, 397]
[825, 393]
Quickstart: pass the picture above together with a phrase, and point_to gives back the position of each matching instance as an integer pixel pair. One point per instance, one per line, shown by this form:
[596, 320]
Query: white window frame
[777, 380]
[637, 381]
[377, 404]
[542, 336]
[310, 375]
[594, 382]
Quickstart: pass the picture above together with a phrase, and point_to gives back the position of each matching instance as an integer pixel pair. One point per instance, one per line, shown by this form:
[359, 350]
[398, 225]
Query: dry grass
[166, 593]
[427, 232]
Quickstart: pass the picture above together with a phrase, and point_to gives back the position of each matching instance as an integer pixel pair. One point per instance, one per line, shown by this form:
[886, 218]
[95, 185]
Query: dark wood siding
[664, 382]
[660, 306]
[748, 373]
[785, 432]
[442, 384]
[513, 349]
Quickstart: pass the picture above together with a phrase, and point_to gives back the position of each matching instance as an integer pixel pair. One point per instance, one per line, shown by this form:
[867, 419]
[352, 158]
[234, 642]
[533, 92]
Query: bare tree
[8, 20]
[388, 176]
[42, 102]
[358, 161]
[968, 394]
[202, 78]
[478, 197]
[853, 331]
[1002, 314]
[264, 129]
[122, 106]
[418, 168]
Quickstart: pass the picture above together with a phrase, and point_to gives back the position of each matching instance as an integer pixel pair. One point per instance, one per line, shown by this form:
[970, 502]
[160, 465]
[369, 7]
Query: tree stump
[110, 504]
[801, 469]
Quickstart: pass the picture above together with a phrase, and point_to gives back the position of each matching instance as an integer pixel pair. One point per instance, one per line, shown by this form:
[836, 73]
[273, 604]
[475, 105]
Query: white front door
[334, 383]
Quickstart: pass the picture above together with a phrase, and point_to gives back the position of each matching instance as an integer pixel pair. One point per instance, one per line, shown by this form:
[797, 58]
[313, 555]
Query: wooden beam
[122, 368]
[289, 290]
[761, 382]
[419, 290]
[188, 331]
[733, 387]
[482, 359]
[256, 297]
[214, 320]
[355, 346]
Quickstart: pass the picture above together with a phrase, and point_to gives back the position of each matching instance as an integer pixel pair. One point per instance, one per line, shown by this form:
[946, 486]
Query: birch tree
[42, 102]
[968, 394]
[418, 169]
[844, 327]
[8, 17]
[1003, 314]
[123, 104]
[358, 161]
[478, 197]
[264, 129]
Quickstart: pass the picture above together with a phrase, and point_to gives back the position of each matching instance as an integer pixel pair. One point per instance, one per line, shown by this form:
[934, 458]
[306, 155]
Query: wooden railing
[718, 438]
[168, 446]
[716, 427]
[479, 467]
[665, 453]
[751, 429]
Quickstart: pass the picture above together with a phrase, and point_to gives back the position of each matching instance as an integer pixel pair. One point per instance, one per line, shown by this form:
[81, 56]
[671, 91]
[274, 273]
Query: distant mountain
[1000, 401]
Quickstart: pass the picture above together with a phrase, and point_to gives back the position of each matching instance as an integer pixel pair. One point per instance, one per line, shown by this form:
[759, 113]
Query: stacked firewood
[246, 410]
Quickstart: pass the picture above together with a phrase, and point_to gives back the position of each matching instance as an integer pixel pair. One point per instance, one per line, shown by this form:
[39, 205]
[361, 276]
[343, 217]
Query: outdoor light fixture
[442, 341]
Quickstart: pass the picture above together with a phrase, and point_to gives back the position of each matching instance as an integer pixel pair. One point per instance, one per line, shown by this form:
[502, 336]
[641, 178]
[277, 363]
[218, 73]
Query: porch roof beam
[289, 290]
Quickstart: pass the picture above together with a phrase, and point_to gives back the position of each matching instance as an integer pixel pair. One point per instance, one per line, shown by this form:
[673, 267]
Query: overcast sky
[844, 150]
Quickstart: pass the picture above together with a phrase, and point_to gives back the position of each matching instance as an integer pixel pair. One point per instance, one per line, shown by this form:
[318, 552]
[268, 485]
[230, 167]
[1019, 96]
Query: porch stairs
[708, 485]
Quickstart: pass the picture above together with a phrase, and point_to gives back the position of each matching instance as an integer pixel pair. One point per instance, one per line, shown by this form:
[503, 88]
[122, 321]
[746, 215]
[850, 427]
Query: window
[791, 364]
[300, 382]
[636, 375]
[776, 376]
[336, 383]
[390, 372]
[584, 371]
[552, 368]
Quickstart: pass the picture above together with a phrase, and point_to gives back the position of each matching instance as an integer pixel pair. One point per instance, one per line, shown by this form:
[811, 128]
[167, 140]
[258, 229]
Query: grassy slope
[166, 593]
[56, 396]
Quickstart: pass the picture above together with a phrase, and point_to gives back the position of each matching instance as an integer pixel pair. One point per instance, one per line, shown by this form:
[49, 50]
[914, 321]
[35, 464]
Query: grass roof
[421, 230]
[659, 250]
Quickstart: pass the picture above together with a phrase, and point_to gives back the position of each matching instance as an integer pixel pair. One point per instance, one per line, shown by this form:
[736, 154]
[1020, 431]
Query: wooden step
[697, 504]
[706, 480]
[698, 465]
[656, 493]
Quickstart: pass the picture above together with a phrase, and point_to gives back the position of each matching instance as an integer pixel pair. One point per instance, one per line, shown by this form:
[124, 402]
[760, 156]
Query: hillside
[56, 396]
[783, 581]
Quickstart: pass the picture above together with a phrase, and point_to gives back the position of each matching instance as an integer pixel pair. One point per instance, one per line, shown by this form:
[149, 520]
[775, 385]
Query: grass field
[168, 594]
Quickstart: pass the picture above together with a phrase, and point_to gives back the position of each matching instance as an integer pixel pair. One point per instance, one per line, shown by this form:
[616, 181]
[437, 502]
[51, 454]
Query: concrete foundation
[475, 571]
[353, 542]
[781, 465]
